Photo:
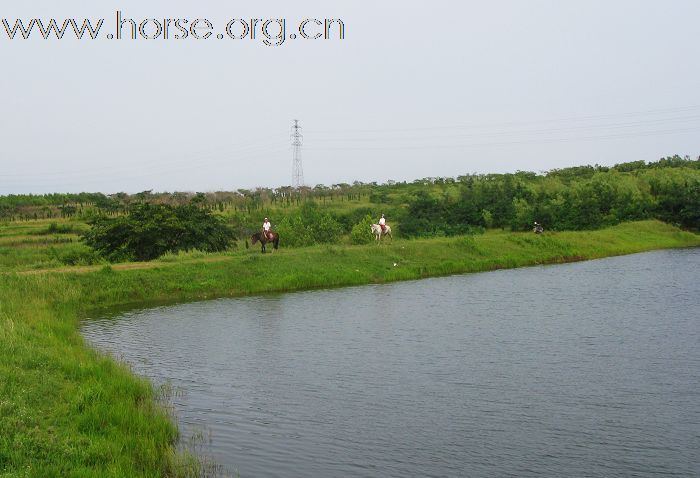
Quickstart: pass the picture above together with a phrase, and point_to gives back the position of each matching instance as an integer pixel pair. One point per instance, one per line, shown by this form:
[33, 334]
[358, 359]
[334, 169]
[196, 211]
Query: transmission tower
[297, 171]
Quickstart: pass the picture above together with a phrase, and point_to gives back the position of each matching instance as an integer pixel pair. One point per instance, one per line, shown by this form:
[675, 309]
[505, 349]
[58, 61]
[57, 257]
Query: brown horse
[259, 236]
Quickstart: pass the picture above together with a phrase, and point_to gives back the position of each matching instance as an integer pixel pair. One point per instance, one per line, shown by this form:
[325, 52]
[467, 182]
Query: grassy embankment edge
[66, 410]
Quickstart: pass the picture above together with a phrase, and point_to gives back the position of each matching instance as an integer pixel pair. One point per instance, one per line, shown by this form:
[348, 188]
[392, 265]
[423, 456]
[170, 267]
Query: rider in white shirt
[382, 223]
[266, 228]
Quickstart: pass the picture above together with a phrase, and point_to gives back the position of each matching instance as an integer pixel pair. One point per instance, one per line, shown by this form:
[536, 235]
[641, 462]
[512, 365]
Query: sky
[415, 89]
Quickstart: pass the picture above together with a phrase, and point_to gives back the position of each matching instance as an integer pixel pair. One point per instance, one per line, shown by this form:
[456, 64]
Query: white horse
[377, 231]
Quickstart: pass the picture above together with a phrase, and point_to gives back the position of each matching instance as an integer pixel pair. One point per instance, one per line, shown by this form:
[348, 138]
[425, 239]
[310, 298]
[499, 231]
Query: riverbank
[65, 410]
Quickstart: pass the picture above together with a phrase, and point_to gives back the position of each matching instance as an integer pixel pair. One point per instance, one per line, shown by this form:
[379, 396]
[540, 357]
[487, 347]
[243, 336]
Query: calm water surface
[586, 369]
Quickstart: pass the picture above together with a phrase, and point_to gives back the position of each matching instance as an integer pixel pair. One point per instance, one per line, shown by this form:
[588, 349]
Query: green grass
[66, 410]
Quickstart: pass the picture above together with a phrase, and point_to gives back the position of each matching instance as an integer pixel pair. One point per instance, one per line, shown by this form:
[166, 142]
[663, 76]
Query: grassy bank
[67, 411]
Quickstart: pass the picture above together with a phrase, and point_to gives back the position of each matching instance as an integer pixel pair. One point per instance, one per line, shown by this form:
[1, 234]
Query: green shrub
[74, 255]
[55, 228]
[151, 230]
[361, 232]
[349, 219]
[294, 232]
[309, 226]
[83, 257]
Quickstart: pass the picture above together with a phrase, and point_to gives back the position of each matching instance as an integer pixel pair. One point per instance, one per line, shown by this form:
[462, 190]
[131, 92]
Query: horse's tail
[276, 241]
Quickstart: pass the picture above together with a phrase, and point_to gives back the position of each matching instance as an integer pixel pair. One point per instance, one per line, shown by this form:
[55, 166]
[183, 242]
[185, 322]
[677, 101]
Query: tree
[151, 230]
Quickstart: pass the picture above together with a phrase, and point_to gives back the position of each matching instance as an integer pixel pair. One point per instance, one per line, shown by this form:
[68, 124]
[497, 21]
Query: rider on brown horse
[267, 229]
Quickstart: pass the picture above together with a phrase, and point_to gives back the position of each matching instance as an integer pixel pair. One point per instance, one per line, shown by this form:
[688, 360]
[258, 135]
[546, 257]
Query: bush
[361, 232]
[55, 228]
[349, 219]
[151, 230]
[75, 255]
[85, 257]
[309, 227]
[294, 232]
[379, 197]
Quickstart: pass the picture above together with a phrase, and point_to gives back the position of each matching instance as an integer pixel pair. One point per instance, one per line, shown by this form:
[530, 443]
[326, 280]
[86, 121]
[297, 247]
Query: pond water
[585, 369]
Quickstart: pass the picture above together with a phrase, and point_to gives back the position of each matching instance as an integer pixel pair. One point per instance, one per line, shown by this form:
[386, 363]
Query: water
[586, 369]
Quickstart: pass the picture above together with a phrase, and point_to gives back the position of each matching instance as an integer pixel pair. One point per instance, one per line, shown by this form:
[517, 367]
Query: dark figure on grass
[265, 236]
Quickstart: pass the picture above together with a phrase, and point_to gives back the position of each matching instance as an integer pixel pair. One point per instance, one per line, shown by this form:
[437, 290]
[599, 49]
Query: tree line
[578, 198]
[581, 197]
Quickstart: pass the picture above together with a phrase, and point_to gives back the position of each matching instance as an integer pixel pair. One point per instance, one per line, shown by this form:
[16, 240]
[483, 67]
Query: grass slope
[65, 410]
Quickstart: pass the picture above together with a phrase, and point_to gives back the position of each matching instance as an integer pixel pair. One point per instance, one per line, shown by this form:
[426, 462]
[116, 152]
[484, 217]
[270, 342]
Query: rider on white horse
[382, 223]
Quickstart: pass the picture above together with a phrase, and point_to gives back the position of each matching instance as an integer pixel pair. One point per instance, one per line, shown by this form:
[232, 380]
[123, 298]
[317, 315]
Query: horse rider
[267, 229]
[382, 223]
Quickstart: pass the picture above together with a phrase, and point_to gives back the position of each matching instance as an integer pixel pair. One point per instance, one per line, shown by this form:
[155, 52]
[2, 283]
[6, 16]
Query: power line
[515, 142]
[518, 132]
[582, 118]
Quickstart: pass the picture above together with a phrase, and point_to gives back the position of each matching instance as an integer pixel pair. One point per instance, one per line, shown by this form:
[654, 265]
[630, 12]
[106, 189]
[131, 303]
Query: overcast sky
[416, 89]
